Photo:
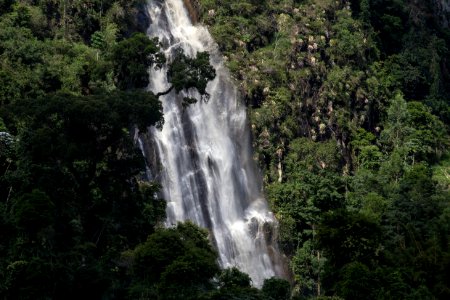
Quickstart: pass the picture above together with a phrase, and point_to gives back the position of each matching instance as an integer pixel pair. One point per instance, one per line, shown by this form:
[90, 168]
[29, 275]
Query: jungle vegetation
[77, 220]
[349, 110]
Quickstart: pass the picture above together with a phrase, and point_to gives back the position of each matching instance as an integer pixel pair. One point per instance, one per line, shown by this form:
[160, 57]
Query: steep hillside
[349, 107]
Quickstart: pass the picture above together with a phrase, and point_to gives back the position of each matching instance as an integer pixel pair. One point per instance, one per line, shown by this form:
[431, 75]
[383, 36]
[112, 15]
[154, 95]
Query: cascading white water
[204, 154]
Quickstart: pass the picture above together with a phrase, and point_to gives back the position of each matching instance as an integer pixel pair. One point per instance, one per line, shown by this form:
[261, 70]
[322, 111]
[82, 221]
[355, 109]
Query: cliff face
[442, 11]
[193, 9]
[141, 20]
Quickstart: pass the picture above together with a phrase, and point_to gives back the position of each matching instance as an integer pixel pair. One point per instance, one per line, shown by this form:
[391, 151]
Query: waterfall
[204, 159]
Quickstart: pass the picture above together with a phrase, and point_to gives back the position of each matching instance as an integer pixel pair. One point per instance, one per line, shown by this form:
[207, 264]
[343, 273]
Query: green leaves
[396, 130]
[132, 58]
[350, 45]
[185, 73]
[347, 237]
[348, 108]
[276, 289]
[412, 127]
[34, 211]
[313, 156]
[178, 262]
[73, 189]
[232, 278]
[98, 40]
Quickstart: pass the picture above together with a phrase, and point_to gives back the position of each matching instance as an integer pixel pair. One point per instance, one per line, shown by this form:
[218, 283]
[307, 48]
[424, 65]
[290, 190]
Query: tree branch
[164, 93]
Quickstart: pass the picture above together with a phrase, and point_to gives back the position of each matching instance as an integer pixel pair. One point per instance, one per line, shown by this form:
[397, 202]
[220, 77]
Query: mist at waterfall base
[202, 157]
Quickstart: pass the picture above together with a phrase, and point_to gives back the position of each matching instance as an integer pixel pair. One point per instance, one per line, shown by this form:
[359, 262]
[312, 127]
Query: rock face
[442, 12]
[193, 9]
[138, 19]
[142, 20]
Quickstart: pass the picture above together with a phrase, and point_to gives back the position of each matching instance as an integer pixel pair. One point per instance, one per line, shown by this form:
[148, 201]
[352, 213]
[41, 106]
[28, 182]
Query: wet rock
[193, 8]
[139, 21]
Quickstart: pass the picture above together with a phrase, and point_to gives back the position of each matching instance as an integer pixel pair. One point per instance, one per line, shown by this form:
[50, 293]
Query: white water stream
[205, 163]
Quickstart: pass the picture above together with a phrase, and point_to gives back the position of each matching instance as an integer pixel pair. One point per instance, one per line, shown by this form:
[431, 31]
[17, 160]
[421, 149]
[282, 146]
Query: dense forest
[348, 104]
[349, 107]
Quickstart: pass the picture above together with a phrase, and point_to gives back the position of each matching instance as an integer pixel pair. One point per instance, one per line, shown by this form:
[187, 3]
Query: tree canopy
[348, 103]
[348, 106]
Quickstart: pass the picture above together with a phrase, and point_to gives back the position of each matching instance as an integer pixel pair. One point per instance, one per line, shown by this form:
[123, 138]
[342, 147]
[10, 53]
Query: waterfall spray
[204, 159]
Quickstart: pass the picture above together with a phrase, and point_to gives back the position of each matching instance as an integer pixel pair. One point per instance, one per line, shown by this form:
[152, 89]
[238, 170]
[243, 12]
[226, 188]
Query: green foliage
[396, 131]
[71, 196]
[441, 172]
[185, 72]
[428, 141]
[350, 45]
[348, 237]
[232, 278]
[312, 156]
[98, 40]
[276, 288]
[348, 109]
[355, 281]
[74, 190]
[34, 211]
[348, 103]
[5, 5]
[233, 284]
[174, 263]
[132, 57]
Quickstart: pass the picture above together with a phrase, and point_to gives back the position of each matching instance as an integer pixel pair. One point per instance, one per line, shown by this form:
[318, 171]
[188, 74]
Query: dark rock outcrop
[442, 12]
[142, 18]
[193, 8]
